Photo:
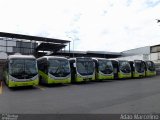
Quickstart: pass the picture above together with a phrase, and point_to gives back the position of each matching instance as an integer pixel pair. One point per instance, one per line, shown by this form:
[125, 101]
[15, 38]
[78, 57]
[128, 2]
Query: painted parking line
[40, 87]
[1, 88]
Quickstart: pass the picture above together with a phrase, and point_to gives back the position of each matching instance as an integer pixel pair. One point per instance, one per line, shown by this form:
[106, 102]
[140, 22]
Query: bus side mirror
[74, 64]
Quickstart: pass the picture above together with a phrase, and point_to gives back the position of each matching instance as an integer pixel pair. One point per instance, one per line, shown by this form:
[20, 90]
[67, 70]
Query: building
[143, 53]
[11, 43]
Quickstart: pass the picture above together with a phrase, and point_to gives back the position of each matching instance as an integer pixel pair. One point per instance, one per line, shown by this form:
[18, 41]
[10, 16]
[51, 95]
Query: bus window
[59, 67]
[139, 66]
[85, 67]
[105, 66]
[150, 66]
[20, 66]
[124, 66]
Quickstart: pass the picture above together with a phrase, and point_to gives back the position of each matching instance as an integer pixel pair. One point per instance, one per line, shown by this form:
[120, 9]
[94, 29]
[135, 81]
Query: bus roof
[80, 57]
[138, 60]
[101, 59]
[51, 57]
[21, 56]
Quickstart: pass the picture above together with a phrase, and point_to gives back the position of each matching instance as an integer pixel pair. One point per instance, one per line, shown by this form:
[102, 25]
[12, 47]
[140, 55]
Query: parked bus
[121, 69]
[82, 69]
[150, 69]
[138, 68]
[21, 70]
[103, 69]
[54, 69]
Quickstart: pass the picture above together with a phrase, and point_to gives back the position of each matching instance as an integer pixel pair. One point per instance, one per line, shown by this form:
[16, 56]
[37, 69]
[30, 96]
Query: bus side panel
[6, 79]
[93, 76]
[43, 76]
[48, 80]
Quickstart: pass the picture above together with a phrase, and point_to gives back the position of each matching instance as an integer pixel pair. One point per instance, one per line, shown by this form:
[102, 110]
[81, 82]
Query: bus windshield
[105, 66]
[150, 65]
[59, 67]
[23, 68]
[85, 66]
[139, 66]
[124, 66]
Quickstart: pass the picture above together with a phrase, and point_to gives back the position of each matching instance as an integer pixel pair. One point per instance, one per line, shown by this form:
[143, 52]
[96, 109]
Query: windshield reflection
[85, 66]
[59, 67]
[150, 65]
[23, 68]
[140, 67]
[105, 66]
[124, 66]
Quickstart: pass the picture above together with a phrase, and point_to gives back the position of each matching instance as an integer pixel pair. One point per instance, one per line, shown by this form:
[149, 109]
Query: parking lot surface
[116, 96]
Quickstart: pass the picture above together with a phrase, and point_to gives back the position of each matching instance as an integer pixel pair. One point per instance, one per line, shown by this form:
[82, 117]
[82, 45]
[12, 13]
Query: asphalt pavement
[116, 96]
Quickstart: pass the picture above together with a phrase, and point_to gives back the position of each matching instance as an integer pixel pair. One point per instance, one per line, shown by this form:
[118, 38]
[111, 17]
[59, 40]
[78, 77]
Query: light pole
[74, 38]
[73, 45]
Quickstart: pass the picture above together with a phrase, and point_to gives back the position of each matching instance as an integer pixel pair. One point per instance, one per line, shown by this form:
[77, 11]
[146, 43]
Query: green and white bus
[150, 69]
[82, 69]
[54, 69]
[138, 68]
[21, 70]
[103, 69]
[121, 69]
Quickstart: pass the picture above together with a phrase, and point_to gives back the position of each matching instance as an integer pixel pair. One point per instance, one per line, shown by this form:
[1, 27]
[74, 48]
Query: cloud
[151, 3]
[106, 25]
[122, 27]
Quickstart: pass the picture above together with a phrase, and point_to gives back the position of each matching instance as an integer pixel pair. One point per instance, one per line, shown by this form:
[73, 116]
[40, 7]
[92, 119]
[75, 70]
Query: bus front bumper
[105, 77]
[121, 75]
[56, 81]
[24, 83]
[150, 73]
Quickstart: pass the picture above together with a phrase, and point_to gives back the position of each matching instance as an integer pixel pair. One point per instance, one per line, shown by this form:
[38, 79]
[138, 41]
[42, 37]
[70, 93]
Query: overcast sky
[99, 25]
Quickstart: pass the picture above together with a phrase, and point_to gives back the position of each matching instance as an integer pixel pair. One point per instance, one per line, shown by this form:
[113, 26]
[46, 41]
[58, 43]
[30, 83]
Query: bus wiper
[57, 69]
[18, 73]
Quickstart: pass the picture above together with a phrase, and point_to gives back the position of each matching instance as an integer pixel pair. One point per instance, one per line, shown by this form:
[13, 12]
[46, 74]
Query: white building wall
[135, 57]
[137, 51]
[155, 57]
